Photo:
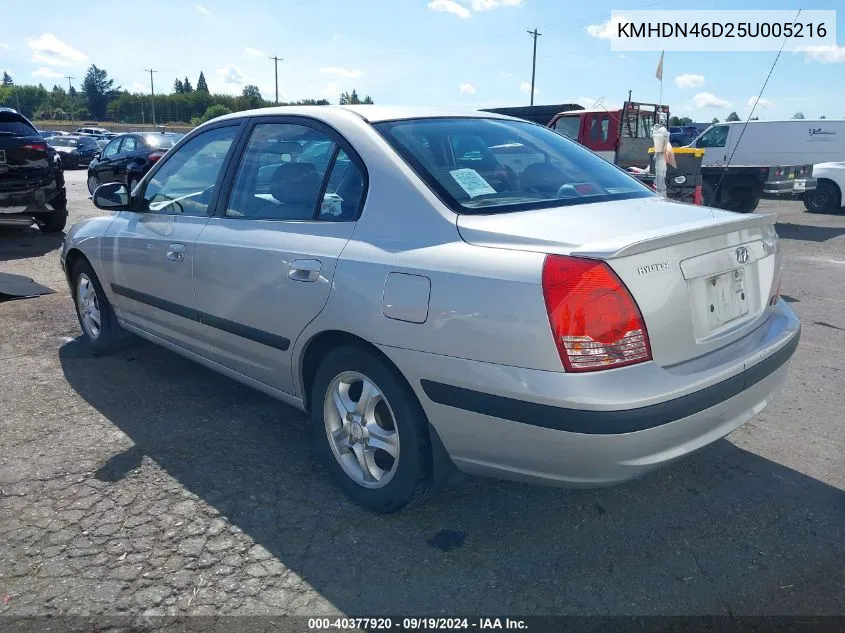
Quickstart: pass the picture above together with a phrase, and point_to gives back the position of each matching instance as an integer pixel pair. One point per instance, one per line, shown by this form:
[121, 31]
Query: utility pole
[152, 94]
[276, 61]
[535, 34]
[70, 98]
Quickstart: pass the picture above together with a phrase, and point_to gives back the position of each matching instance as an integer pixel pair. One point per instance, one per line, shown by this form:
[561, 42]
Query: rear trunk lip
[609, 422]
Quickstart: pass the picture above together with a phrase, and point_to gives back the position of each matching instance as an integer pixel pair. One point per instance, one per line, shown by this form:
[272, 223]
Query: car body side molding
[238, 329]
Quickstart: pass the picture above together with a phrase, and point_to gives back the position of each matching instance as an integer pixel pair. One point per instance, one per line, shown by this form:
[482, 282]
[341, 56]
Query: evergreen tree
[201, 85]
[186, 86]
[7, 79]
[178, 86]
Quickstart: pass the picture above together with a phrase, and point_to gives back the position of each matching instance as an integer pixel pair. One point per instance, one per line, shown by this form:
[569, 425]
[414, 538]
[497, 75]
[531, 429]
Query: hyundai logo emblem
[742, 255]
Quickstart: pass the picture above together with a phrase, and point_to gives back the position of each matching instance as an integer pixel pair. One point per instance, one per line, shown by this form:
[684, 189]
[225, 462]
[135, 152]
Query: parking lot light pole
[70, 98]
[152, 94]
[535, 34]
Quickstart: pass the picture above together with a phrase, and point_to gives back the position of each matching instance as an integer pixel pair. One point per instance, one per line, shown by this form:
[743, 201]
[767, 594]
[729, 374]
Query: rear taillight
[595, 321]
[36, 147]
[155, 156]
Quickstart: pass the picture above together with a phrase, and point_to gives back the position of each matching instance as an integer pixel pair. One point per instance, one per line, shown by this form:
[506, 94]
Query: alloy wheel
[89, 306]
[361, 429]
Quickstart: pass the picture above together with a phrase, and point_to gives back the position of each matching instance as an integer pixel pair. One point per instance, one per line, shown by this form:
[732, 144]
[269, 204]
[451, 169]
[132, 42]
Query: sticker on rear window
[472, 182]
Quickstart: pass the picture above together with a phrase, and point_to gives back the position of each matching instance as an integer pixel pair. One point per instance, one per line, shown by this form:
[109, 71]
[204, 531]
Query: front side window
[480, 175]
[284, 171]
[716, 136]
[129, 144]
[568, 126]
[184, 185]
[111, 149]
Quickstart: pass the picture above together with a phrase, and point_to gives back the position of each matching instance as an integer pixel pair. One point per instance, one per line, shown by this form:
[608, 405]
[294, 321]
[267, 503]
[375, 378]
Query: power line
[534, 35]
[276, 61]
[152, 93]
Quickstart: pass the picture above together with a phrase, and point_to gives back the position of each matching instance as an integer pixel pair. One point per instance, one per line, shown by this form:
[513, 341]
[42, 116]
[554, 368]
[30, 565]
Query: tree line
[99, 99]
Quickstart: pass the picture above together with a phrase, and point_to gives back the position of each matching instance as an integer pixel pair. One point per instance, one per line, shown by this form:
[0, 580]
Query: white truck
[829, 194]
[771, 157]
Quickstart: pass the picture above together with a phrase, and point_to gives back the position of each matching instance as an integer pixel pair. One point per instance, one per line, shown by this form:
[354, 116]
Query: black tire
[93, 182]
[708, 195]
[110, 336]
[742, 200]
[825, 197]
[56, 221]
[412, 478]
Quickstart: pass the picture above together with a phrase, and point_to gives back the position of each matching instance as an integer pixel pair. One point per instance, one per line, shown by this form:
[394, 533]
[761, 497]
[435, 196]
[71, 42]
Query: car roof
[370, 113]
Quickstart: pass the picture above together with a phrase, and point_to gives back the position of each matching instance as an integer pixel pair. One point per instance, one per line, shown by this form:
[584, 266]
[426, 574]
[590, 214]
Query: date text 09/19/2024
[415, 624]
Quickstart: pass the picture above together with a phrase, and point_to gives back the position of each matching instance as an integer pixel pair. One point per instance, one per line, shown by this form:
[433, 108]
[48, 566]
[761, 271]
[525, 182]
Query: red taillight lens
[37, 147]
[595, 321]
[155, 156]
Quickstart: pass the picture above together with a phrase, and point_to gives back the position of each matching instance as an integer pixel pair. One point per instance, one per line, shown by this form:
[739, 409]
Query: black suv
[32, 183]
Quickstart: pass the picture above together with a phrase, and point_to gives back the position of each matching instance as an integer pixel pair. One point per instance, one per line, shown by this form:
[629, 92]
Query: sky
[472, 53]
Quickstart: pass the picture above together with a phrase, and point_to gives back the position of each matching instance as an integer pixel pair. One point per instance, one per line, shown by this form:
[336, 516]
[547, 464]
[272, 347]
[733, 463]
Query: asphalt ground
[144, 483]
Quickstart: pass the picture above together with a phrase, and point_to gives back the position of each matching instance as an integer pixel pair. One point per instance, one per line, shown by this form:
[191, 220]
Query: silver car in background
[442, 289]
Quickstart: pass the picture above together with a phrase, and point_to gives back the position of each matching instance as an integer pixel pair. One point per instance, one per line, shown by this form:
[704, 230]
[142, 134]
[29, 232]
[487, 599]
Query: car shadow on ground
[724, 531]
[21, 243]
[807, 233]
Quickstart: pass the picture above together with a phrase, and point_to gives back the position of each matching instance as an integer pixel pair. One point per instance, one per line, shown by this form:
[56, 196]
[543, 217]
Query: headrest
[283, 147]
[296, 183]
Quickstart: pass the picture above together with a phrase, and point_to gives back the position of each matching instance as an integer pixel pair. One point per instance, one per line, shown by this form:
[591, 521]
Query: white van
[768, 157]
[766, 143]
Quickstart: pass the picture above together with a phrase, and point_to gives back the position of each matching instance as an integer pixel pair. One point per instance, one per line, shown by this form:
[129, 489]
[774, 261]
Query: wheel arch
[838, 187]
[443, 469]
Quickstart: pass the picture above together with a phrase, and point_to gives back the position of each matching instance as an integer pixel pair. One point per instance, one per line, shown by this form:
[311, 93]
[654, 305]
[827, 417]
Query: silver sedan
[442, 290]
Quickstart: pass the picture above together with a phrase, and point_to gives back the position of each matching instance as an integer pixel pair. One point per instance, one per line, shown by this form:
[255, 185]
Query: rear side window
[129, 144]
[13, 124]
[295, 173]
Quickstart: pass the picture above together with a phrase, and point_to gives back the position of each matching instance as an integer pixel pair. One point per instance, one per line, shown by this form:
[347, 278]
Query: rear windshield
[160, 141]
[63, 141]
[481, 165]
[15, 125]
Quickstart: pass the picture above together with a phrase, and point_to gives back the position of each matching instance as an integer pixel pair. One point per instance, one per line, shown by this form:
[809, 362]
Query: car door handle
[176, 252]
[305, 270]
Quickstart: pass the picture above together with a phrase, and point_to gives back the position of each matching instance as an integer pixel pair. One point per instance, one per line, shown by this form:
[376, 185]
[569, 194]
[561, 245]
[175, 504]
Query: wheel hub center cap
[356, 432]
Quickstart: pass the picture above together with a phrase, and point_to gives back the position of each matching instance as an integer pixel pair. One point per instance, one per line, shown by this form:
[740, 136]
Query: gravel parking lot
[141, 482]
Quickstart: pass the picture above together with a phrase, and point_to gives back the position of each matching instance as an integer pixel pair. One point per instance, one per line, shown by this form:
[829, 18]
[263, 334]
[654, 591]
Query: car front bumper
[602, 428]
[787, 187]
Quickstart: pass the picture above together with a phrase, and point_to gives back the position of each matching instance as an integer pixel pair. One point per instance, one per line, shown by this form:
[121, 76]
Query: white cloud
[46, 72]
[486, 5]
[762, 104]
[689, 80]
[203, 10]
[231, 74]
[4, 46]
[467, 89]
[708, 100]
[450, 6]
[831, 54]
[331, 91]
[254, 52]
[525, 87]
[48, 49]
[506, 75]
[351, 73]
[137, 86]
[605, 30]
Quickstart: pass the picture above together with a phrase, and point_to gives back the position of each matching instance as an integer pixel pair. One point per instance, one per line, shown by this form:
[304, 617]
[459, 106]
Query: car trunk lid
[702, 278]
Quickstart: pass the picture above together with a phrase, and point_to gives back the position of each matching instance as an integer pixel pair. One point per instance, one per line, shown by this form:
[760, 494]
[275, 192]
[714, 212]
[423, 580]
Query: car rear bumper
[785, 187]
[602, 428]
[30, 198]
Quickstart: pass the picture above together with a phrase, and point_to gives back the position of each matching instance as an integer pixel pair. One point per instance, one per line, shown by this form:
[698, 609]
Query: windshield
[161, 141]
[62, 141]
[491, 166]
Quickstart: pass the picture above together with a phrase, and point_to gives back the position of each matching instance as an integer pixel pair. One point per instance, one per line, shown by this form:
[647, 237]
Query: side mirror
[112, 196]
